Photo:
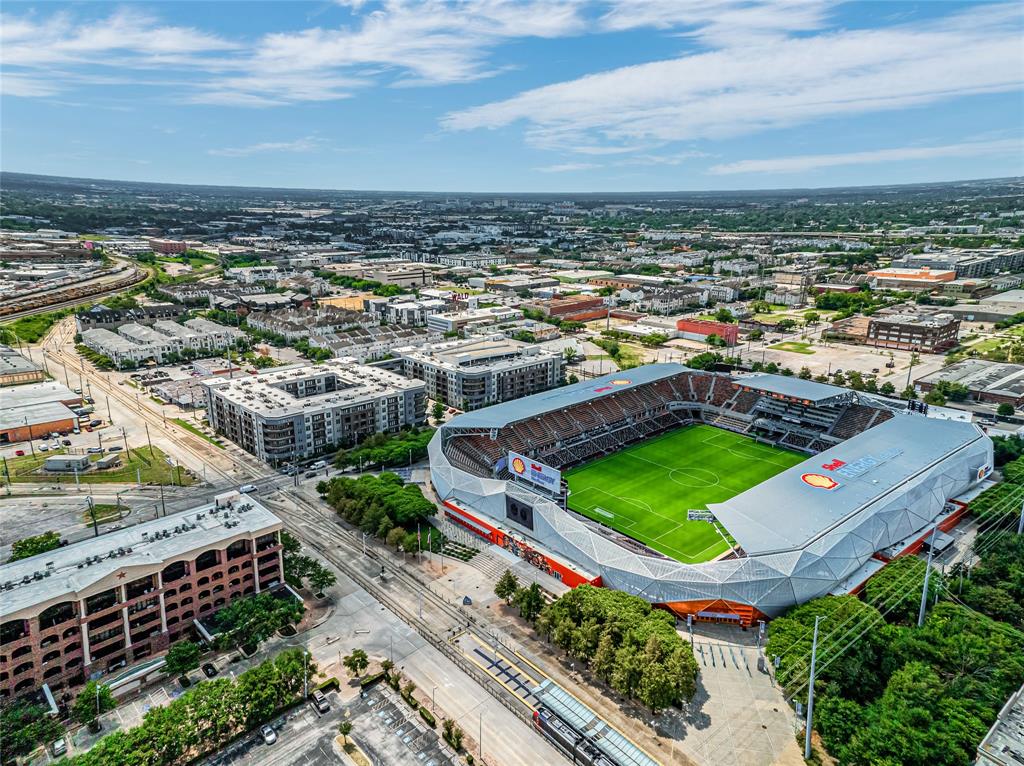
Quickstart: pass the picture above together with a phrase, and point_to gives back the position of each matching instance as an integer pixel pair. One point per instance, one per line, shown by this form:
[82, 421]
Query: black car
[209, 670]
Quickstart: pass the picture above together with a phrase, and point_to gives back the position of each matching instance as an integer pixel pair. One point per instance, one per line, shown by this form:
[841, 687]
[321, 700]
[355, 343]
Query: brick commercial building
[700, 329]
[16, 369]
[994, 382]
[304, 410]
[911, 279]
[87, 609]
[564, 308]
[928, 333]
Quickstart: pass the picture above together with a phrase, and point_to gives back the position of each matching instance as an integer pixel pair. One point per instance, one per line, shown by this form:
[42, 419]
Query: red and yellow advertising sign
[819, 481]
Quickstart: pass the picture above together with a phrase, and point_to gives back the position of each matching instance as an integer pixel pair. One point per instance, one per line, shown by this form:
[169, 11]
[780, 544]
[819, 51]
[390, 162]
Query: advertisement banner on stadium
[536, 473]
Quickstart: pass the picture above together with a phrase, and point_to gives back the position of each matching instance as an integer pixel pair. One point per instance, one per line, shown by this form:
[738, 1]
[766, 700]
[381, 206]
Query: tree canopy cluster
[387, 449]
[300, 568]
[378, 504]
[23, 727]
[899, 695]
[254, 619]
[626, 643]
[996, 583]
[1007, 448]
[206, 717]
[33, 546]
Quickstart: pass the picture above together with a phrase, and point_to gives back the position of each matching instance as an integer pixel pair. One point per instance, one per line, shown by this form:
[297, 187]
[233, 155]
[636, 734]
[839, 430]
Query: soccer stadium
[723, 496]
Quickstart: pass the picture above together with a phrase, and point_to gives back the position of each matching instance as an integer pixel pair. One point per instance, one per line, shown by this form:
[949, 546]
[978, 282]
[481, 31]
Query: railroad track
[83, 294]
[436, 619]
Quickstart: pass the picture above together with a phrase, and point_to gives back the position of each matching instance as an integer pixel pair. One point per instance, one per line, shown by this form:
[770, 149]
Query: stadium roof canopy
[792, 388]
[798, 505]
[500, 415]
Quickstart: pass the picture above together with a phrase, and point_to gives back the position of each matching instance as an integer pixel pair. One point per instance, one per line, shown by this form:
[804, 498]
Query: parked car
[95, 423]
[95, 450]
[59, 748]
[268, 734]
[209, 670]
[43, 448]
[311, 474]
[89, 429]
[319, 701]
[318, 465]
[247, 488]
[66, 442]
[19, 452]
[114, 448]
[76, 430]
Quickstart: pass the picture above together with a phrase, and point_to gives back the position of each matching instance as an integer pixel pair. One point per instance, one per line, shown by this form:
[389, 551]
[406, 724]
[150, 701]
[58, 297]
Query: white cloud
[567, 167]
[803, 163]
[398, 42]
[299, 145]
[793, 80]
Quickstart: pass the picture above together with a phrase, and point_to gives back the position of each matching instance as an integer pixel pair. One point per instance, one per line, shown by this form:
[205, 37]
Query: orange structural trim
[717, 610]
[518, 546]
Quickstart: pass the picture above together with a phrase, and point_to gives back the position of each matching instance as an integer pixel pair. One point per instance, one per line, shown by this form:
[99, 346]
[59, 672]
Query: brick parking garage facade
[88, 609]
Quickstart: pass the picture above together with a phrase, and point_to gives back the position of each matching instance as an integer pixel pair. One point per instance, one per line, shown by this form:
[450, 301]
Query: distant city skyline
[515, 97]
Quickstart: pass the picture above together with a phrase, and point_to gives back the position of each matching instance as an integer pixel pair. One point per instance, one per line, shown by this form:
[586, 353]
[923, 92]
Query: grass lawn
[198, 432]
[796, 346]
[31, 328]
[105, 512]
[151, 467]
[645, 491]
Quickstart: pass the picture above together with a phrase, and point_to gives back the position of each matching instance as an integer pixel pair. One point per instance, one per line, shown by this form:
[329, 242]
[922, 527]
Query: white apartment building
[470, 374]
[291, 413]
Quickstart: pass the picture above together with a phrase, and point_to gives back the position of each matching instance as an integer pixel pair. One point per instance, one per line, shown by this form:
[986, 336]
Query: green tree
[908, 393]
[452, 734]
[356, 662]
[785, 324]
[92, 701]
[254, 619]
[935, 397]
[887, 389]
[344, 729]
[1005, 410]
[896, 588]
[530, 601]
[321, 578]
[182, 657]
[570, 354]
[24, 726]
[804, 373]
[33, 546]
[507, 586]
[724, 315]
[437, 412]
[387, 666]
[811, 317]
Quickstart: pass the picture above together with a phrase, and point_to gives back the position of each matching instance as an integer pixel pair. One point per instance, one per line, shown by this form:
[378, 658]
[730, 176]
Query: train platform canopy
[795, 507]
[584, 720]
[500, 415]
[792, 388]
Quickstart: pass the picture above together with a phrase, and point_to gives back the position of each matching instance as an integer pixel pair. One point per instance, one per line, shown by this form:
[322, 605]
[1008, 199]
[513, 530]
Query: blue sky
[532, 95]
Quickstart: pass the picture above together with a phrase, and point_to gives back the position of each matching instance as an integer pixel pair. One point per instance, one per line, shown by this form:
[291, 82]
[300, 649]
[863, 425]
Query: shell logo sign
[621, 382]
[819, 481]
[611, 385]
[518, 465]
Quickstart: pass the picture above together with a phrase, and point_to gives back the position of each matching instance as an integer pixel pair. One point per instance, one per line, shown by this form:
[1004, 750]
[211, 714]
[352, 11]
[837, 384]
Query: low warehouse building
[34, 421]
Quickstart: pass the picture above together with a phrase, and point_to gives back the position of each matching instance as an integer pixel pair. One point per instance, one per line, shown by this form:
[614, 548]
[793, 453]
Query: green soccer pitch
[646, 490]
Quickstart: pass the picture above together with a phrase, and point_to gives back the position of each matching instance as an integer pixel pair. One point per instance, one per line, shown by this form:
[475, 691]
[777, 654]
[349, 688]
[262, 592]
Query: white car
[43, 448]
[268, 734]
[245, 488]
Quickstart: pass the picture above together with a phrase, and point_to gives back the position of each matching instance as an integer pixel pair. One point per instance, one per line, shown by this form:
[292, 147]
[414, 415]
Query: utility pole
[92, 513]
[1020, 521]
[149, 440]
[163, 505]
[810, 691]
[927, 575]
[110, 418]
